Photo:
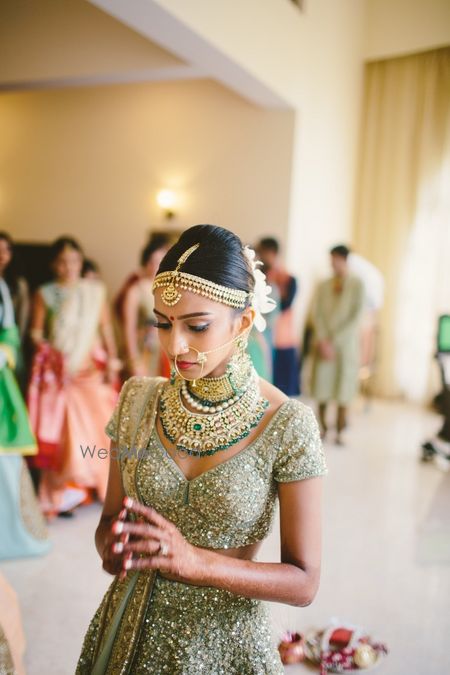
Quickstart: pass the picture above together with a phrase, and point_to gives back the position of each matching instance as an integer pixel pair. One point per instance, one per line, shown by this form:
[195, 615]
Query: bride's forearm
[159, 544]
[277, 582]
[102, 533]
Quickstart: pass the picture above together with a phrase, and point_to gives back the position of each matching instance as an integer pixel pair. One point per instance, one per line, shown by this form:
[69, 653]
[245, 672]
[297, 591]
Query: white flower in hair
[261, 302]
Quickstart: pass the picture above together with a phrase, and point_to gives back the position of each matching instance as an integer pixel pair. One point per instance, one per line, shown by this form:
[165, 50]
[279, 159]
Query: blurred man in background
[336, 318]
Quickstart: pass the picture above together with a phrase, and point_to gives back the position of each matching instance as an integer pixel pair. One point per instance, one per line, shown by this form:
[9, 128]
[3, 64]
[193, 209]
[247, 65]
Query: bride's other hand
[158, 544]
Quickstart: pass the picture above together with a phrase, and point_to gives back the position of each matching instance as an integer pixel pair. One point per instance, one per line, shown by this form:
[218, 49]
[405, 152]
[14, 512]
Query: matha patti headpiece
[176, 281]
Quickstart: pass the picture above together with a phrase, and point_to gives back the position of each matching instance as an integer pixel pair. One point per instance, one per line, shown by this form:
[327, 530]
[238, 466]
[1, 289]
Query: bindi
[172, 318]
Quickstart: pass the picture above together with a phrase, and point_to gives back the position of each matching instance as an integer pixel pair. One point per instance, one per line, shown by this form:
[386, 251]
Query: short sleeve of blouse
[112, 427]
[300, 454]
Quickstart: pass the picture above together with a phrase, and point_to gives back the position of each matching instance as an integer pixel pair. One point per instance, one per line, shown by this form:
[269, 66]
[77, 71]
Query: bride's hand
[112, 562]
[157, 544]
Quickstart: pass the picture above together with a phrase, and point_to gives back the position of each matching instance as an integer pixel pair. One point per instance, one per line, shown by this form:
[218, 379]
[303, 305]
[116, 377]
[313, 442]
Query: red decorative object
[341, 649]
[341, 637]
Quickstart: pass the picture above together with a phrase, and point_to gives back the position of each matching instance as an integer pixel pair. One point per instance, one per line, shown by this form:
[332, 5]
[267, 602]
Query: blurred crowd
[65, 351]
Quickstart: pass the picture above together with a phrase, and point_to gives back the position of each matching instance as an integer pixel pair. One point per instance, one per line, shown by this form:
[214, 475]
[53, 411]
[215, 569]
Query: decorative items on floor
[292, 648]
[338, 648]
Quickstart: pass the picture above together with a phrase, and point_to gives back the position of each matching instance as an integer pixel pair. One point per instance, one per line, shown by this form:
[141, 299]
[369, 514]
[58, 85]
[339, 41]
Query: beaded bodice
[231, 504]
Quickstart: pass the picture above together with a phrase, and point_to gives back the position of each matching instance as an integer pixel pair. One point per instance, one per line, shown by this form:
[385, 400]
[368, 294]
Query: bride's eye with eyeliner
[199, 329]
[161, 325]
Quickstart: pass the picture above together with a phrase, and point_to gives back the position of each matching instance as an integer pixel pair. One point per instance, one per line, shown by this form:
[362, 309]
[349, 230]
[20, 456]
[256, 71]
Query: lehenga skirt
[23, 531]
[149, 624]
[69, 422]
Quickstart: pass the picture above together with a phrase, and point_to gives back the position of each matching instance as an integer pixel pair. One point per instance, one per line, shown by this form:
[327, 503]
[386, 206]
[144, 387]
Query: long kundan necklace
[225, 409]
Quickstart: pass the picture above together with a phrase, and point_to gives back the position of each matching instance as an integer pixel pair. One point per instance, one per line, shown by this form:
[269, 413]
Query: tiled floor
[385, 560]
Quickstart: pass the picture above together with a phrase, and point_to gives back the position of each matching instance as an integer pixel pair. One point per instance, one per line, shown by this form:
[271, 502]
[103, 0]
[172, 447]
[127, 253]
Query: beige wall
[311, 60]
[327, 136]
[314, 61]
[398, 27]
[90, 161]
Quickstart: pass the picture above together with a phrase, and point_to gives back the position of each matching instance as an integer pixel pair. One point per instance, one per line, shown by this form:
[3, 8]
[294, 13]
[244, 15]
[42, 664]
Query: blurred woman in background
[70, 394]
[134, 312]
[17, 285]
[22, 528]
[18, 290]
[286, 362]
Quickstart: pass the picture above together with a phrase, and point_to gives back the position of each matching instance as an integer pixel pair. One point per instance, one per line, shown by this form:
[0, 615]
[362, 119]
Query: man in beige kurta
[336, 316]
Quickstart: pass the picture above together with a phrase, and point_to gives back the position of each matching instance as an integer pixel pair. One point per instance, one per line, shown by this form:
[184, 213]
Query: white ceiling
[51, 43]
[55, 44]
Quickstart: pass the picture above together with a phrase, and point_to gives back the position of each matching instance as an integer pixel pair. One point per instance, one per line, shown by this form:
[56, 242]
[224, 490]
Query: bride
[197, 465]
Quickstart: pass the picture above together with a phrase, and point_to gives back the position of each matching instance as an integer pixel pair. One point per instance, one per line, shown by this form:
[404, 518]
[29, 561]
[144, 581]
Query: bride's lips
[185, 365]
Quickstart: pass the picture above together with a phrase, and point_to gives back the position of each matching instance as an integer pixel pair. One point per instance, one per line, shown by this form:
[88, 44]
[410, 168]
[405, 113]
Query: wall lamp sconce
[167, 200]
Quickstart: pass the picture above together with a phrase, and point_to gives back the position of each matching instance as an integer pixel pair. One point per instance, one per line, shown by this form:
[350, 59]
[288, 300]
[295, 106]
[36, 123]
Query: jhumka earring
[239, 365]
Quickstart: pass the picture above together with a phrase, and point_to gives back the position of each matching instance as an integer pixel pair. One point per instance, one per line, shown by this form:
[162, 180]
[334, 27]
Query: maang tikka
[175, 281]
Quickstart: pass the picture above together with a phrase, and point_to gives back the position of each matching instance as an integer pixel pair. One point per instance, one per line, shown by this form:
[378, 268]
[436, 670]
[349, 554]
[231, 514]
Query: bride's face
[197, 324]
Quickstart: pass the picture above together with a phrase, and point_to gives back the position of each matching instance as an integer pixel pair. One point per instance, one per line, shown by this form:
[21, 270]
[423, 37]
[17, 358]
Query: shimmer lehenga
[148, 624]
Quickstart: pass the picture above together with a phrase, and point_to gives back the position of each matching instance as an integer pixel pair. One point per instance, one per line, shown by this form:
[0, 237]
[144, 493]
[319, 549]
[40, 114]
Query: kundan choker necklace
[226, 409]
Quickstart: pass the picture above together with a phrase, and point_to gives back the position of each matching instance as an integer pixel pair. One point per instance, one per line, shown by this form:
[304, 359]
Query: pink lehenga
[68, 399]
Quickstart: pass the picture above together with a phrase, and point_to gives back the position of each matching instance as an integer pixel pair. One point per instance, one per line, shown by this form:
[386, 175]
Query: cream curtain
[402, 219]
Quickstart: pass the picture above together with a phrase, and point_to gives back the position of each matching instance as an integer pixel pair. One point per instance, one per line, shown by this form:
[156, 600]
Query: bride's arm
[293, 581]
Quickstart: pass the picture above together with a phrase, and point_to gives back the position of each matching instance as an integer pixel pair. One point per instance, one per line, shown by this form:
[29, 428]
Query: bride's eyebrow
[193, 315]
